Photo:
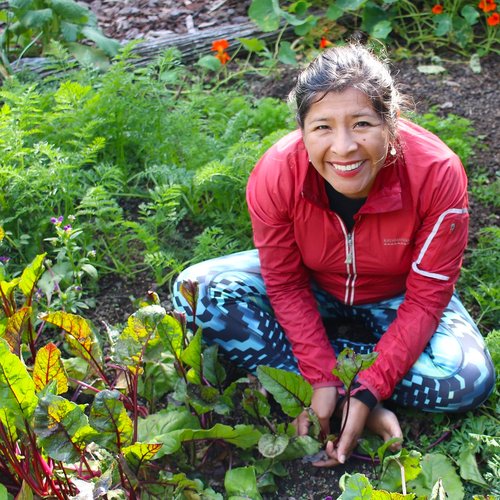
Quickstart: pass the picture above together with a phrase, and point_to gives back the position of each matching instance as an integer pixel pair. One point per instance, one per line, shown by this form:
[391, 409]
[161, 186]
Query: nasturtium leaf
[350, 4]
[62, 428]
[381, 30]
[349, 364]
[334, 12]
[470, 14]
[209, 62]
[286, 54]
[30, 275]
[437, 466]
[241, 483]
[273, 445]
[109, 417]
[17, 389]
[192, 357]
[263, 13]
[444, 24]
[290, 390]
[48, 367]
[15, 327]
[252, 44]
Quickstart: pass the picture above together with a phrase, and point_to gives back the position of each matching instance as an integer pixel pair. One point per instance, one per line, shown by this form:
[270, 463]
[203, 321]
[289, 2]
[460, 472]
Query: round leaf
[271, 446]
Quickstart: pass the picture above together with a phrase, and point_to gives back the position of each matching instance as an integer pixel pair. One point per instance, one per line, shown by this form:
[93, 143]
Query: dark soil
[458, 90]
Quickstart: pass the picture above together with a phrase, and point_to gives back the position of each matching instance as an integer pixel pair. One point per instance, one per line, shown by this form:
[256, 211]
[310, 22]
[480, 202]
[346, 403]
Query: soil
[458, 90]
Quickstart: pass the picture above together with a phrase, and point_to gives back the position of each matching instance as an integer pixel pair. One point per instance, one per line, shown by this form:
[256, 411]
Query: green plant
[461, 25]
[31, 25]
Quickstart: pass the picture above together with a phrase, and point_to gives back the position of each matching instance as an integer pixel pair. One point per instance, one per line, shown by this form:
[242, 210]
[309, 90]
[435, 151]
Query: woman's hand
[356, 420]
[323, 403]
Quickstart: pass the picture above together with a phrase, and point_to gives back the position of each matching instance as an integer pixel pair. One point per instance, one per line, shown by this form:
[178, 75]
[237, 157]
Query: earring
[393, 151]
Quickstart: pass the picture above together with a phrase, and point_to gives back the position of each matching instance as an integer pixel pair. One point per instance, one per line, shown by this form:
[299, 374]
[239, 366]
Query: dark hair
[350, 66]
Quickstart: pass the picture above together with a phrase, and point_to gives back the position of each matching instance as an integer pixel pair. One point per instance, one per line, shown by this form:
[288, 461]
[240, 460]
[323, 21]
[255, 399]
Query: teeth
[347, 168]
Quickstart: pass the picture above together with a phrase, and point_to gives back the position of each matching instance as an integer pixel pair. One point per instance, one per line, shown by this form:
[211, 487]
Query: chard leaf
[7, 287]
[213, 370]
[290, 390]
[130, 346]
[170, 332]
[62, 428]
[469, 470]
[355, 487]
[17, 389]
[109, 417]
[437, 466]
[140, 452]
[255, 403]
[300, 446]
[30, 275]
[241, 483]
[15, 327]
[192, 357]
[391, 479]
[349, 364]
[48, 367]
[78, 333]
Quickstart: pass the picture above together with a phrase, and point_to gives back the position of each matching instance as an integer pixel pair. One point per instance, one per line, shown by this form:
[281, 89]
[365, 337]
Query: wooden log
[191, 45]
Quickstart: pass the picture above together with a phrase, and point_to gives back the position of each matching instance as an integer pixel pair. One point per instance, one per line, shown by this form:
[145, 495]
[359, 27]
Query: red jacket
[409, 236]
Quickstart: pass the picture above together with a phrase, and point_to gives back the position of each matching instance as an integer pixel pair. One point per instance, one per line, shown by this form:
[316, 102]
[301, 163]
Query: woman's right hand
[323, 402]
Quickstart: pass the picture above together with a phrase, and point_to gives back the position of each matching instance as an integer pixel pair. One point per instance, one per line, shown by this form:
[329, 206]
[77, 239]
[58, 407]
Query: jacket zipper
[350, 261]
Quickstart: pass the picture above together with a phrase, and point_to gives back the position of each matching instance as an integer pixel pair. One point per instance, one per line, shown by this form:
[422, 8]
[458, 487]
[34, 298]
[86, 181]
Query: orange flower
[223, 57]
[324, 43]
[437, 9]
[220, 45]
[487, 5]
[494, 19]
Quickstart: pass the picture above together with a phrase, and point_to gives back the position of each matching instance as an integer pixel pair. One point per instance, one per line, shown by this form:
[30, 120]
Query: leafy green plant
[464, 26]
[31, 25]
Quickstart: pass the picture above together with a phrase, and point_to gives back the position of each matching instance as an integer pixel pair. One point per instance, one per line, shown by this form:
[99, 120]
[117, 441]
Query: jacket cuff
[329, 383]
[364, 395]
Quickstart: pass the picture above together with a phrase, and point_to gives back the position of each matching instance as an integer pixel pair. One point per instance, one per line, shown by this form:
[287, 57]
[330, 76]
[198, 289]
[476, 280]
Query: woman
[358, 215]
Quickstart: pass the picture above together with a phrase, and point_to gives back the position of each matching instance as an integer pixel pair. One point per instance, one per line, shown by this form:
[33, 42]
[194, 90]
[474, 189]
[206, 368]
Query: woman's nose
[343, 143]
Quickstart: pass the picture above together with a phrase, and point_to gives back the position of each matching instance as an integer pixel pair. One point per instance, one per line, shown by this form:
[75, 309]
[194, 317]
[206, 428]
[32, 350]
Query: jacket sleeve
[270, 198]
[439, 245]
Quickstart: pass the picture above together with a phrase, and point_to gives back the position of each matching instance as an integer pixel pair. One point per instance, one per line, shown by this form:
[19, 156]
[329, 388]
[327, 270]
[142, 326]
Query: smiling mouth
[346, 168]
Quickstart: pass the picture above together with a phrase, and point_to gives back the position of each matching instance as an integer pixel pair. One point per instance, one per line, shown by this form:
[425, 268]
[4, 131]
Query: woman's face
[346, 140]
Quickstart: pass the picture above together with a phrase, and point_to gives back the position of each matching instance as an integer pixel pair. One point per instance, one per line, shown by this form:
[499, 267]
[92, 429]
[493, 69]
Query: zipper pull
[348, 257]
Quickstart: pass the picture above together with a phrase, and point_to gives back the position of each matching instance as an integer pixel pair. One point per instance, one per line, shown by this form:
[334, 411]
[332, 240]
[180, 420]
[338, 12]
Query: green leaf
[241, 483]
[69, 31]
[290, 390]
[355, 487]
[213, 370]
[69, 10]
[263, 13]
[350, 4]
[171, 335]
[271, 445]
[209, 62]
[89, 56]
[108, 45]
[36, 18]
[470, 14]
[334, 12]
[443, 24]
[437, 466]
[349, 364]
[469, 470]
[252, 44]
[376, 21]
[90, 270]
[431, 69]
[255, 403]
[300, 446]
[62, 428]
[286, 54]
[192, 357]
[109, 417]
[391, 479]
[30, 275]
[48, 368]
[17, 389]
[381, 30]
[475, 63]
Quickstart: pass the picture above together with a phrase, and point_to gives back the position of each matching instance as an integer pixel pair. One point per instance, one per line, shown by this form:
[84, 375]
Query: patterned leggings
[454, 373]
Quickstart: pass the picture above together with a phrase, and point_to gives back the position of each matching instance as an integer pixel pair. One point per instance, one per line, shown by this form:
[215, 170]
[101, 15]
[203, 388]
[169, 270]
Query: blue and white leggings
[454, 373]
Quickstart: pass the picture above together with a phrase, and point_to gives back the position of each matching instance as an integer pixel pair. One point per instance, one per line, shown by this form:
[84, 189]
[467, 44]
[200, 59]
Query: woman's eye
[322, 127]
[362, 124]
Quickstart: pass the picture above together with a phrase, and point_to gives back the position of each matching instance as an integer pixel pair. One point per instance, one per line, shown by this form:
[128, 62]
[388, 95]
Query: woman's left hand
[356, 420]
